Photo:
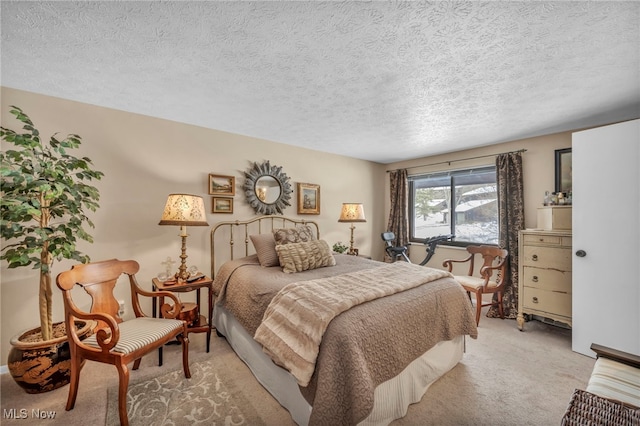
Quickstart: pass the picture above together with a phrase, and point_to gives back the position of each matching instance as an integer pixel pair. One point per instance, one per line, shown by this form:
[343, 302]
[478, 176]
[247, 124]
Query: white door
[606, 238]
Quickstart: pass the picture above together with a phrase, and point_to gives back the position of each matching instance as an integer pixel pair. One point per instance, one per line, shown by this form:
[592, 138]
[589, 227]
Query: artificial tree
[44, 199]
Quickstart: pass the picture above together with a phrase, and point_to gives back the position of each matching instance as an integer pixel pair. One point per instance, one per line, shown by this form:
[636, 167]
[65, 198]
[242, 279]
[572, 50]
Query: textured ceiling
[382, 81]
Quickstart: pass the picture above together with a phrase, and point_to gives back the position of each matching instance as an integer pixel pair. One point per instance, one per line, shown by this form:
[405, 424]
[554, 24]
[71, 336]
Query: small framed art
[308, 198]
[222, 185]
[222, 205]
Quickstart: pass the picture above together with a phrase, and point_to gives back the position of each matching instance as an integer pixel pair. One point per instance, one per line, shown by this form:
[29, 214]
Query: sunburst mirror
[267, 188]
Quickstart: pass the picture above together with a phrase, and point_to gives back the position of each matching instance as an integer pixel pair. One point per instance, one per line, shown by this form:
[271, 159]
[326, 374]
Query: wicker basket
[587, 409]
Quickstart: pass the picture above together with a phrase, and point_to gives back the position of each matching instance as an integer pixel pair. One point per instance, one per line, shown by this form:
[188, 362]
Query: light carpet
[209, 397]
[506, 377]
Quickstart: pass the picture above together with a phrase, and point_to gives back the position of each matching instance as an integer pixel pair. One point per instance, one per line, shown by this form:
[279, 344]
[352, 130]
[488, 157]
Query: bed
[395, 330]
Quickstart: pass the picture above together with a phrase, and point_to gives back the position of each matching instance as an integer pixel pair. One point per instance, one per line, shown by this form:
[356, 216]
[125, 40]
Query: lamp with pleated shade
[351, 213]
[184, 210]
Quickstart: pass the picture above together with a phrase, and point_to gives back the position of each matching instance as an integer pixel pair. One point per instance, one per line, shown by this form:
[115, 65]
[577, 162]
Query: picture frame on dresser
[563, 170]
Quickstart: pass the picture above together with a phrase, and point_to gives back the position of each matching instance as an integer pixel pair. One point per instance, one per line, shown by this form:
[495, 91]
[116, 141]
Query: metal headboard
[224, 233]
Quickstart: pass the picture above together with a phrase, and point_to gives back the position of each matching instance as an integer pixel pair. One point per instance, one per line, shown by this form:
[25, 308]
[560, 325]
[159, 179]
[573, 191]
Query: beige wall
[144, 159]
[538, 163]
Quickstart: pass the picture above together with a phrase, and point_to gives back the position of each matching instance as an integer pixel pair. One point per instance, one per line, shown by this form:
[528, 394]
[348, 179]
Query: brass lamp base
[182, 273]
[352, 250]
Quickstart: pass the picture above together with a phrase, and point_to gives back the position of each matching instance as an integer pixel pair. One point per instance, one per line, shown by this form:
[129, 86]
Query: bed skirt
[391, 398]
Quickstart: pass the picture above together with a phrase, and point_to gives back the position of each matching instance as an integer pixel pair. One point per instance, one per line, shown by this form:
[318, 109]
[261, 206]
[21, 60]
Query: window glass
[462, 203]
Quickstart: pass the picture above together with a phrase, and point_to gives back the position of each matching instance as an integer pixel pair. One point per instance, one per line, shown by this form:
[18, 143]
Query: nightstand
[202, 324]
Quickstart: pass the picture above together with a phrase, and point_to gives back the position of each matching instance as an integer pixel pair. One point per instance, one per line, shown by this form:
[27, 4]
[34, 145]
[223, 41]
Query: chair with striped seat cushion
[616, 375]
[116, 341]
[489, 278]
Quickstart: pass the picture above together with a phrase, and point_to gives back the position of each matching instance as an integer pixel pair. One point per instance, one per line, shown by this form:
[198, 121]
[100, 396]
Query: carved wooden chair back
[493, 261]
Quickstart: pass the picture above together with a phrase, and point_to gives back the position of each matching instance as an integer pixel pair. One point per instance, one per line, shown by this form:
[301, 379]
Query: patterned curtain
[399, 212]
[511, 220]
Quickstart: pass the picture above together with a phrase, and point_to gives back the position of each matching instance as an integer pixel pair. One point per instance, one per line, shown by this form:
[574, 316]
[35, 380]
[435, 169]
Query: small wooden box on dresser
[544, 287]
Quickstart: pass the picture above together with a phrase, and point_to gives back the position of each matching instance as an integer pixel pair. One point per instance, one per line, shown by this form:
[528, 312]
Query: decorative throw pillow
[298, 257]
[299, 234]
[265, 246]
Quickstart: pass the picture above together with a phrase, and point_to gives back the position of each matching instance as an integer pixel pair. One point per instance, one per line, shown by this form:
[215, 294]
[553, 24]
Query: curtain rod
[461, 159]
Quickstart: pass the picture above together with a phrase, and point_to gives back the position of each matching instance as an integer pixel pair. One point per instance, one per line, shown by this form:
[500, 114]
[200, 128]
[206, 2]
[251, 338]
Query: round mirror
[267, 188]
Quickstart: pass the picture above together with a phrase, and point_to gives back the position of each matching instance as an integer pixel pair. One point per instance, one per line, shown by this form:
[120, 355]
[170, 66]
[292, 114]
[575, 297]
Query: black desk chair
[394, 252]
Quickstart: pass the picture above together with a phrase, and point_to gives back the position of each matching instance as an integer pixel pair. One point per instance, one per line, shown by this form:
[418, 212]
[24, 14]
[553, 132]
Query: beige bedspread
[363, 346]
[297, 317]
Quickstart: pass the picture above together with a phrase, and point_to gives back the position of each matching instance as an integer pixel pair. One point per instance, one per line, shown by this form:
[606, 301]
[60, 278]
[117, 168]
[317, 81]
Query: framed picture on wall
[222, 185]
[222, 205]
[308, 198]
[563, 170]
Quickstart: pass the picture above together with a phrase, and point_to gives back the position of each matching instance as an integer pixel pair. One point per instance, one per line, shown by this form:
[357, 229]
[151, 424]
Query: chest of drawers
[544, 275]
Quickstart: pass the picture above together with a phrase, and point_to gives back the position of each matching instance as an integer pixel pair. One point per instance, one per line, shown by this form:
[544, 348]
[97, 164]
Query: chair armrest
[166, 310]
[449, 262]
[488, 269]
[106, 339]
[616, 355]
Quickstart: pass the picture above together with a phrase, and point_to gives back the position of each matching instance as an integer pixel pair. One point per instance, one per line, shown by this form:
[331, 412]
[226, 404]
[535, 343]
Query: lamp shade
[352, 212]
[184, 210]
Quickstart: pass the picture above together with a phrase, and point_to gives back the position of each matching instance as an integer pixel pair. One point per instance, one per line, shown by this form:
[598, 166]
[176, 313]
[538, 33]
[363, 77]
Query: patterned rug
[209, 397]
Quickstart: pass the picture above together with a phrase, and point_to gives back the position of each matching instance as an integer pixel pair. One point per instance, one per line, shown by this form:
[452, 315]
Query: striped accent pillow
[139, 332]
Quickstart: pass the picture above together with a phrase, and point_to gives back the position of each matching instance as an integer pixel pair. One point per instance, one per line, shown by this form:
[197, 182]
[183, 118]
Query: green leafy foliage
[339, 247]
[45, 195]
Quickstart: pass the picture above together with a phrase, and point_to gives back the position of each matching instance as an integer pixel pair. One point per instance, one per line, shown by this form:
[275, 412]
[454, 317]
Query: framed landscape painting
[308, 198]
[222, 185]
[222, 205]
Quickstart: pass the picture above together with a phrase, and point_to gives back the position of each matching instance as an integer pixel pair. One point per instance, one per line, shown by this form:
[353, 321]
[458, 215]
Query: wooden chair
[116, 341]
[494, 261]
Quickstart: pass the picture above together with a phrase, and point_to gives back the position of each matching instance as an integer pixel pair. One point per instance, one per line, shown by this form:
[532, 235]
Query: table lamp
[184, 210]
[351, 213]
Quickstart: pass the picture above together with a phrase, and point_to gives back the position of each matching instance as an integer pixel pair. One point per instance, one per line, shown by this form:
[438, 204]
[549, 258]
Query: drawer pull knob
[534, 278]
[535, 300]
[534, 257]
[581, 253]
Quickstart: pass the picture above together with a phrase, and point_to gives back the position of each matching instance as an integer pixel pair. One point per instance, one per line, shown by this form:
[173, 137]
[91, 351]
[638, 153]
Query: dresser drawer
[547, 301]
[546, 257]
[547, 240]
[547, 279]
[542, 239]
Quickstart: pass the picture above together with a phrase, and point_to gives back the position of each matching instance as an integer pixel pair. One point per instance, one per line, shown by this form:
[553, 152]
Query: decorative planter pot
[43, 366]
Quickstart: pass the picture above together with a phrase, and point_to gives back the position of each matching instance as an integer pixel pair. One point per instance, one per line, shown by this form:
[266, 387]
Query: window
[462, 203]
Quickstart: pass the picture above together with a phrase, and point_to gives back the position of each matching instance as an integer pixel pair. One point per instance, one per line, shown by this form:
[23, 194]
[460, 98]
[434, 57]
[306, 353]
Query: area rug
[209, 397]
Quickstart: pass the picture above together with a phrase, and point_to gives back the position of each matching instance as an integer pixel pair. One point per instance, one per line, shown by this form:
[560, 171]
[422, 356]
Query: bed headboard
[224, 235]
